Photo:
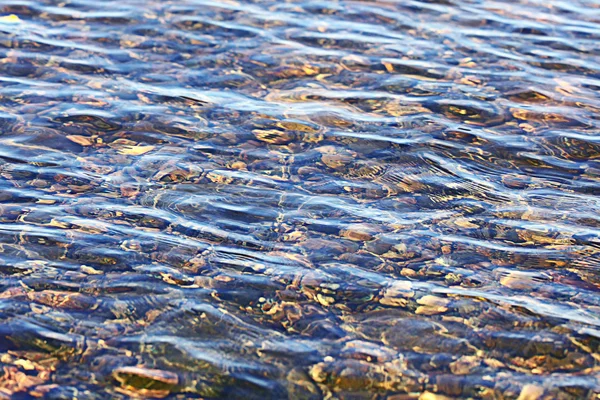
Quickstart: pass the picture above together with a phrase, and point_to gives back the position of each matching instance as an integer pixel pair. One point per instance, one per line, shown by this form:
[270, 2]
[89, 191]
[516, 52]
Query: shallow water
[301, 199]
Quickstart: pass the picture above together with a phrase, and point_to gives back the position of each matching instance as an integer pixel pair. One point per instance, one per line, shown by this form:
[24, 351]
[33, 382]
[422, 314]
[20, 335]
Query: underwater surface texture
[302, 199]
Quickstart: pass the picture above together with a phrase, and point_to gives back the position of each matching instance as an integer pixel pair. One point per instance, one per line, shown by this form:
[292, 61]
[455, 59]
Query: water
[301, 199]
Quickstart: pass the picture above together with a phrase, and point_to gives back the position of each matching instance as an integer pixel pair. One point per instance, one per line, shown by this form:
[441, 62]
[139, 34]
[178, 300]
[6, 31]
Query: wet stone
[146, 382]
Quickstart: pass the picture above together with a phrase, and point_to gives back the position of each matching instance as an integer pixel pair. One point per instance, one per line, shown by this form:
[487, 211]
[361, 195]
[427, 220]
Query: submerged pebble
[301, 199]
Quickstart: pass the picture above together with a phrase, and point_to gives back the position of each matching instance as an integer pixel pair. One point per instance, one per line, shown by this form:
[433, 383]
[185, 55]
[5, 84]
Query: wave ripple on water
[301, 199]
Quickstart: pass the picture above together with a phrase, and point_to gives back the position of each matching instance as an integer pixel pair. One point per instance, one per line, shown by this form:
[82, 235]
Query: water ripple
[301, 199]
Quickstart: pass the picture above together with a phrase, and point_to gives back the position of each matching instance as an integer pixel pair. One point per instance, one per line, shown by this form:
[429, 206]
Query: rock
[433, 396]
[531, 392]
[465, 365]
[146, 382]
[273, 136]
[397, 294]
[359, 232]
[431, 305]
[301, 387]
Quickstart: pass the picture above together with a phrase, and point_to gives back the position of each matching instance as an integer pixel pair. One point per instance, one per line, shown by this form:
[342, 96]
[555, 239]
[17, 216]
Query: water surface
[300, 199]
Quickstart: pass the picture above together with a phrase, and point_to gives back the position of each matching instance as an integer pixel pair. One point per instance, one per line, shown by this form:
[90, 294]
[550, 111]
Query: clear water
[299, 199]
